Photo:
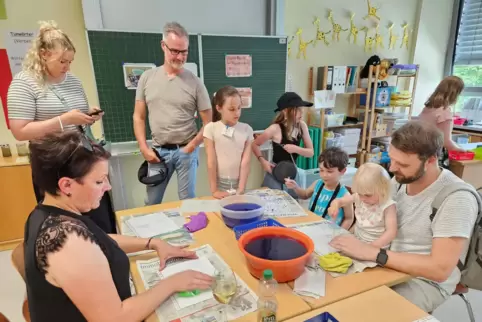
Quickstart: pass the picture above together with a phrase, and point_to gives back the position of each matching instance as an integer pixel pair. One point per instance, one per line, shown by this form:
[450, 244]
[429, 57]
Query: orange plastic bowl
[283, 271]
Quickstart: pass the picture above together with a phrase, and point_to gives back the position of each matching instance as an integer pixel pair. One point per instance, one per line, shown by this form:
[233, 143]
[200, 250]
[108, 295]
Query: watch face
[382, 257]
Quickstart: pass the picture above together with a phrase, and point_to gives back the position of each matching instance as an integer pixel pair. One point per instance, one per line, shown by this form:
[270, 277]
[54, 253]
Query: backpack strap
[446, 192]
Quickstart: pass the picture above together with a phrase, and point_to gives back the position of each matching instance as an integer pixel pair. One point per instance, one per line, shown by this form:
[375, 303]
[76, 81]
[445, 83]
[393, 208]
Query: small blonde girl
[375, 211]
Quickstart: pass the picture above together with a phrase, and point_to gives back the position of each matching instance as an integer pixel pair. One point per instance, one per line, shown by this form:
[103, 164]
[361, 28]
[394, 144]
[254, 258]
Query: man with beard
[428, 250]
[172, 95]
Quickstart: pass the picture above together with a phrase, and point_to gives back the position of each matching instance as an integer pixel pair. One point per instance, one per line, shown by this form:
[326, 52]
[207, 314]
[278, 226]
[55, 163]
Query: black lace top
[46, 232]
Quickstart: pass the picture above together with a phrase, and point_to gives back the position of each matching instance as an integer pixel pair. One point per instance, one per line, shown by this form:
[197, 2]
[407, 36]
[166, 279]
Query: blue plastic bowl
[241, 210]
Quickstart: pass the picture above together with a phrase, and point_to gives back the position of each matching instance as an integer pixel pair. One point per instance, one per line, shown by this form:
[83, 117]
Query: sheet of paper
[321, 239]
[202, 265]
[429, 318]
[152, 225]
[192, 205]
[311, 283]
[325, 99]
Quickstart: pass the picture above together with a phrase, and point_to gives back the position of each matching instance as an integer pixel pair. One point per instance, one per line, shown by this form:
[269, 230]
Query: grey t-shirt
[172, 103]
[455, 218]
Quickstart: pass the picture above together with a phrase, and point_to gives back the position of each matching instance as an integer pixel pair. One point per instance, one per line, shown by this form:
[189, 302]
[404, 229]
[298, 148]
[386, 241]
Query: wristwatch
[382, 257]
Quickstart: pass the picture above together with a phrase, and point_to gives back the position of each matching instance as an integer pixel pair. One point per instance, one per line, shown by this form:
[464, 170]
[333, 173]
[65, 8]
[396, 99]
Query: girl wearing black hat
[286, 133]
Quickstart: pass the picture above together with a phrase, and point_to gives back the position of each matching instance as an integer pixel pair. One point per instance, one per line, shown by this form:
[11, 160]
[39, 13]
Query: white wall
[431, 47]
[301, 14]
[246, 17]
[430, 20]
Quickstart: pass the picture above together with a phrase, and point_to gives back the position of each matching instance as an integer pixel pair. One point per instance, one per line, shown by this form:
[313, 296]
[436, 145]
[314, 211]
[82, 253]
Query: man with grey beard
[172, 95]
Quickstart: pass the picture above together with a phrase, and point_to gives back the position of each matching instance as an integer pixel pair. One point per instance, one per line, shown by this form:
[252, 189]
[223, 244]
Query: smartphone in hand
[95, 112]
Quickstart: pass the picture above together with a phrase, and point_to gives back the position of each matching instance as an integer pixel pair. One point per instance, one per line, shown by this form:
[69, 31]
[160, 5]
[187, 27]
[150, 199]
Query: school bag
[471, 270]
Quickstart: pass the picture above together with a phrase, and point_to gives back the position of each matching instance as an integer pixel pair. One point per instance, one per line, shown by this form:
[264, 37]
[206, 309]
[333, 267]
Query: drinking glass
[225, 285]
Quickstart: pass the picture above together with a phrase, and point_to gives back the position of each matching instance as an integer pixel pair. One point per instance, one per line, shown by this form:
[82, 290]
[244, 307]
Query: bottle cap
[268, 274]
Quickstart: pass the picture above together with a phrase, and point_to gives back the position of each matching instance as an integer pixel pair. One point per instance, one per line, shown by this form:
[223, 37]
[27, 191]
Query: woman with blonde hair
[375, 211]
[45, 98]
[285, 133]
[437, 108]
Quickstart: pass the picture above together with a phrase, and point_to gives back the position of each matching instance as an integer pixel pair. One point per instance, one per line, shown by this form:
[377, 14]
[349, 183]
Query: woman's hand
[166, 251]
[95, 116]
[189, 281]
[291, 148]
[267, 166]
[220, 194]
[76, 117]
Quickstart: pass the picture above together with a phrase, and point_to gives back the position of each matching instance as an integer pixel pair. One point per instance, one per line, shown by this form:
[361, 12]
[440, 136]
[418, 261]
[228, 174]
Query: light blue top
[324, 199]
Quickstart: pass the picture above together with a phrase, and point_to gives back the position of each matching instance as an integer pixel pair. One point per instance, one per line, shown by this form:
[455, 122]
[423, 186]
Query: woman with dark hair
[74, 270]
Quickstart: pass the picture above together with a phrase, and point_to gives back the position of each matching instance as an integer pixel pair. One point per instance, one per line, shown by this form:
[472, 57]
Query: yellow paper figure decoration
[368, 40]
[336, 27]
[302, 44]
[289, 45]
[372, 11]
[405, 37]
[320, 35]
[353, 30]
[378, 38]
[393, 37]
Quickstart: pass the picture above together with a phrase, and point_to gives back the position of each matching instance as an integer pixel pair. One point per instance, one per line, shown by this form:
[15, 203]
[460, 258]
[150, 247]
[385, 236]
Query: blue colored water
[242, 206]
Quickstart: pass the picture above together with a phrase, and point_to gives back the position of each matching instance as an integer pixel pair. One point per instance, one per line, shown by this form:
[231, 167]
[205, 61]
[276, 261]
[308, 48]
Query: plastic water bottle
[267, 303]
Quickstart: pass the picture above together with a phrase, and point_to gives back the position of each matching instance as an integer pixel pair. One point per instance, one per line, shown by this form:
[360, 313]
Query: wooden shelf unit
[368, 125]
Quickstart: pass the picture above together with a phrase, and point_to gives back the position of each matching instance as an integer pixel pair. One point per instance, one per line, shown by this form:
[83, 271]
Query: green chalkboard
[109, 51]
[268, 78]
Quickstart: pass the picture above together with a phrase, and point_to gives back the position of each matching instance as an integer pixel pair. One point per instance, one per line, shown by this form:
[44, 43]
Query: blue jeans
[186, 167]
[270, 182]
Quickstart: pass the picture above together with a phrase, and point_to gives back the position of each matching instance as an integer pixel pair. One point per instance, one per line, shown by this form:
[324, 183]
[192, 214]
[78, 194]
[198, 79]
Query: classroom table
[377, 305]
[223, 241]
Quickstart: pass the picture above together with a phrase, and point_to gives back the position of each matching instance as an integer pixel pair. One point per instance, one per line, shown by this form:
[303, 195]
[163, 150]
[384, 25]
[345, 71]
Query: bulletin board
[268, 73]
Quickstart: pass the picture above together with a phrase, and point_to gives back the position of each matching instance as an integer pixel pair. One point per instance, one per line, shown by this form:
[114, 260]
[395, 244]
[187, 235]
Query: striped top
[455, 218]
[27, 100]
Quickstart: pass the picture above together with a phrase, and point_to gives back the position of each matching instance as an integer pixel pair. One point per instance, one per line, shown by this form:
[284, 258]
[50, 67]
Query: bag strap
[447, 191]
[313, 206]
[333, 197]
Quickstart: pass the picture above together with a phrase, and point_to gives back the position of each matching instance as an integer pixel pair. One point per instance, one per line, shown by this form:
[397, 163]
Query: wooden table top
[13, 161]
[378, 305]
[222, 239]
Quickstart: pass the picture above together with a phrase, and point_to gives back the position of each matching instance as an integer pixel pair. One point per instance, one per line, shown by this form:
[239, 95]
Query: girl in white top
[228, 145]
[375, 211]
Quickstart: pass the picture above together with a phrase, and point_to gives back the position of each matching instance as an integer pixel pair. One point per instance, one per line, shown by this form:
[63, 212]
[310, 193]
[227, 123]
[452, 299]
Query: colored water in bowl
[275, 248]
[242, 206]
[232, 222]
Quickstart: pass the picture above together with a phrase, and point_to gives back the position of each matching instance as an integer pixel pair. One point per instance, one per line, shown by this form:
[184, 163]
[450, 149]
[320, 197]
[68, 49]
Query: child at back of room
[332, 162]
[228, 145]
[375, 211]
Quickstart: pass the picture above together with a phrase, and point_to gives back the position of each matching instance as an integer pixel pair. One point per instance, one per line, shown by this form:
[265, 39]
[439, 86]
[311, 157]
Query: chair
[461, 290]
[18, 262]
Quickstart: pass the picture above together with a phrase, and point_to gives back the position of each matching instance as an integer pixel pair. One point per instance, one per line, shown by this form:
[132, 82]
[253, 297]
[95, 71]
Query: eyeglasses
[176, 52]
[85, 143]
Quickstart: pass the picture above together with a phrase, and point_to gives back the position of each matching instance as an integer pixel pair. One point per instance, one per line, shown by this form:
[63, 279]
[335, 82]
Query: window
[468, 48]
[467, 62]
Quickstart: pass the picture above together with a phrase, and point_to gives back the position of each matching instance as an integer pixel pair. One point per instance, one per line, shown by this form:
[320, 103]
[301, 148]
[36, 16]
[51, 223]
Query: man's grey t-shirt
[455, 218]
[172, 103]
